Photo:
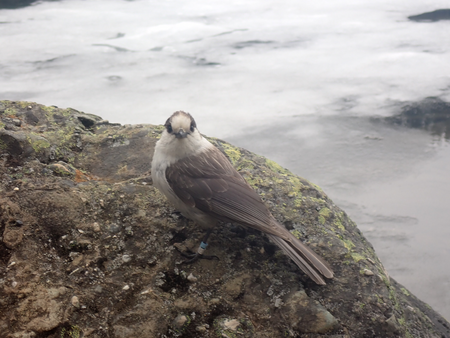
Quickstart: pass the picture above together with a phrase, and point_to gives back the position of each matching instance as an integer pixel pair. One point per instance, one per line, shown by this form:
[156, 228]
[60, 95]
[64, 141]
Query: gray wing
[209, 183]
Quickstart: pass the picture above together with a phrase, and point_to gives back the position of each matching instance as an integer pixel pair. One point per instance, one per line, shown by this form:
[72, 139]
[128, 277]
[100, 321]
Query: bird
[201, 183]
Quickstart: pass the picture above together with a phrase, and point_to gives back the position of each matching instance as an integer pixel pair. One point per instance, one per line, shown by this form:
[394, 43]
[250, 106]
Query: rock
[437, 15]
[432, 114]
[75, 301]
[12, 237]
[180, 323]
[62, 169]
[192, 278]
[368, 272]
[230, 327]
[308, 316]
[256, 292]
[96, 227]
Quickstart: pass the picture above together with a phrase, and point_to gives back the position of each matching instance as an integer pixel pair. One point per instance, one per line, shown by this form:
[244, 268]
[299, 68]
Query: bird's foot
[194, 256]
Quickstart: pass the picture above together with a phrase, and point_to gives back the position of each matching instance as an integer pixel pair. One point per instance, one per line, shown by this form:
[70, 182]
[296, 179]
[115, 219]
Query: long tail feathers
[306, 259]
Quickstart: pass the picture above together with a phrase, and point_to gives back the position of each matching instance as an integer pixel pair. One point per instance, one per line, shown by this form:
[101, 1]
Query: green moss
[73, 332]
[393, 297]
[405, 292]
[379, 299]
[385, 279]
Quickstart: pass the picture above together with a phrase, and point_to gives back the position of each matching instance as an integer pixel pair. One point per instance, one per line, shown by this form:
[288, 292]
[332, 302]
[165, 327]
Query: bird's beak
[181, 134]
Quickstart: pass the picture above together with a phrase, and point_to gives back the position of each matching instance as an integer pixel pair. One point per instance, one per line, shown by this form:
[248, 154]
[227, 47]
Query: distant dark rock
[13, 4]
[432, 114]
[437, 15]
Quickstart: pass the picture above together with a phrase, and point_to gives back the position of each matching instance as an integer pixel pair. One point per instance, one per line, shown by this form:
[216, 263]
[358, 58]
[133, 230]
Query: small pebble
[214, 301]
[200, 329]
[367, 272]
[179, 322]
[126, 287]
[126, 258]
[16, 189]
[96, 227]
[14, 284]
[277, 302]
[75, 301]
[192, 278]
[80, 231]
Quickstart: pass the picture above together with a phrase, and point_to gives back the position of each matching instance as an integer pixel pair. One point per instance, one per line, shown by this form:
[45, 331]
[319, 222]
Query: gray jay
[203, 185]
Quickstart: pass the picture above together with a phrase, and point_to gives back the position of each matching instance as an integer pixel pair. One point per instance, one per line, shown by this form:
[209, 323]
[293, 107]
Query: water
[296, 82]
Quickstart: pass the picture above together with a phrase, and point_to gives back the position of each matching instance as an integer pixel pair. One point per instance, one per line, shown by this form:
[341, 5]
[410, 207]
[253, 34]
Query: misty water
[299, 83]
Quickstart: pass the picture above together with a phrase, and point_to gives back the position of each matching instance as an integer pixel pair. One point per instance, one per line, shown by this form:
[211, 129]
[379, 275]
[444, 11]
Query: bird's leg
[201, 249]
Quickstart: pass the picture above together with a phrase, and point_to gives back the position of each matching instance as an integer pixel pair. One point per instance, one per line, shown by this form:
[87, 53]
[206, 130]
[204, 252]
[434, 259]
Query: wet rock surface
[431, 114]
[87, 247]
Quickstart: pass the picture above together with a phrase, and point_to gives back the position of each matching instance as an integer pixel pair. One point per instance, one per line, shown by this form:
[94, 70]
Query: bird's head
[181, 125]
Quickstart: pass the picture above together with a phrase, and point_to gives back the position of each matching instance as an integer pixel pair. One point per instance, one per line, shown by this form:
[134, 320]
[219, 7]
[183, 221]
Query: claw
[193, 257]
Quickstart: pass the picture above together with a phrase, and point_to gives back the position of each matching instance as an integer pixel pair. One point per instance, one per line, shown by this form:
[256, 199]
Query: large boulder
[87, 246]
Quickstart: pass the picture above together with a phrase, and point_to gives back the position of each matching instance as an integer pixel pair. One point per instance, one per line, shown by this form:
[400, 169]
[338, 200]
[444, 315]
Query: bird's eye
[192, 126]
[169, 128]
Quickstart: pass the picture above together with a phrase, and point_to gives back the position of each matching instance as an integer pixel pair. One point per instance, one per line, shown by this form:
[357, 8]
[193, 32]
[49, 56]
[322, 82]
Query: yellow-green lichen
[10, 112]
[348, 244]
[245, 164]
[324, 213]
[296, 183]
[233, 153]
[296, 233]
[298, 202]
[316, 200]
[357, 257]
[274, 166]
[337, 223]
[50, 110]
[38, 143]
